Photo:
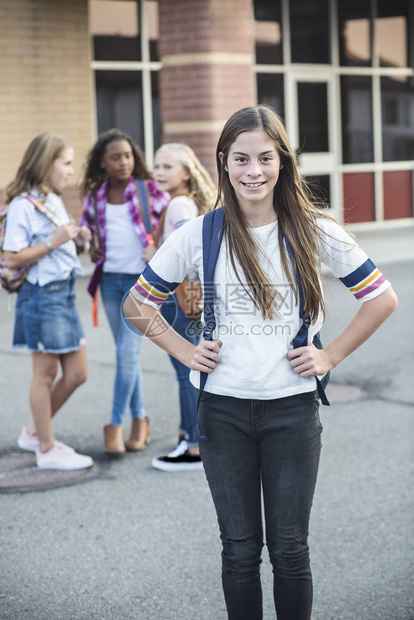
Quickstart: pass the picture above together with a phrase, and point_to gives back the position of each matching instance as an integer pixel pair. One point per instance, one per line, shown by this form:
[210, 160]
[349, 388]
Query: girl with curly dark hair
[121, 247]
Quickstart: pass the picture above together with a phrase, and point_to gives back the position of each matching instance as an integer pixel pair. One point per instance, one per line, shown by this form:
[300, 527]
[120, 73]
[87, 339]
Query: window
[354, 32]
[368, 47]
[357, 126]
[119, 103]
[270, 91]
[268, 32]
[125, 44]
[391, 29]
[313, 117]
[155, 110]
[320, 189]
[153, 28]
[397, 102]
[310, 31]
[115, 30]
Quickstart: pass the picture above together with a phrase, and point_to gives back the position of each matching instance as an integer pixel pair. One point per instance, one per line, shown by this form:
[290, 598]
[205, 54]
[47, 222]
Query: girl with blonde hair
[40, 234]
[178, 171]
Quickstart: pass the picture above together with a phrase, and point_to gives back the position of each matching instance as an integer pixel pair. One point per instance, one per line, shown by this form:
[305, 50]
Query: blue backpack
[212, 236]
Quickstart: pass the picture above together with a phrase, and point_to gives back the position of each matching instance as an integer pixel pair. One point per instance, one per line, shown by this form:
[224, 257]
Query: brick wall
[205, 25]
[45, 80]
[204, 91]
[207, 51]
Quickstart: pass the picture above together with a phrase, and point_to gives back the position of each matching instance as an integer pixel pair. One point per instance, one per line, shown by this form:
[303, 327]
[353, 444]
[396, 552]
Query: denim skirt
[46, 318]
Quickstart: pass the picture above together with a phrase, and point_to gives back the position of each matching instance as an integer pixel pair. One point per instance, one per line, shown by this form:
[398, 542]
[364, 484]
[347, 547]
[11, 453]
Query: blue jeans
[128, 380]
[187, 328]
[270, 447]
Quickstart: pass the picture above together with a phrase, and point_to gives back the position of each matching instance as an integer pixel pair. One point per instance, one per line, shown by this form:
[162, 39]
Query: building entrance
[310, 101]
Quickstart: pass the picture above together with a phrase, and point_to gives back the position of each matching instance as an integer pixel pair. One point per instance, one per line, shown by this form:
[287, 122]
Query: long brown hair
[295, 212]
[95, 175]
[37, 163]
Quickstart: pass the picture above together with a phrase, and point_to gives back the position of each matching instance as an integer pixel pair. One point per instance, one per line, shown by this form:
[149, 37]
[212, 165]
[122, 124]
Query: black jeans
[272, 445]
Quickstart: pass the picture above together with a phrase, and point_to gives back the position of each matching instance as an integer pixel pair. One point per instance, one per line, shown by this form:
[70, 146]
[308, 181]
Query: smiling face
[253, 166]
[62, 170]
[118, 161]
[170, 175]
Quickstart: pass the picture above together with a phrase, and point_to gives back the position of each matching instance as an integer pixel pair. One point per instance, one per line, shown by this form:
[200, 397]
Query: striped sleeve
[179, 255]
[152, 289]
[349, 263]
[364, 280]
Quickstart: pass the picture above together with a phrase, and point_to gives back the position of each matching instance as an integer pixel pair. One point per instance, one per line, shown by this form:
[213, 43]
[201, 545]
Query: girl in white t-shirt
[114, 213]
[178, 171]
[259, 411]
[40, 234]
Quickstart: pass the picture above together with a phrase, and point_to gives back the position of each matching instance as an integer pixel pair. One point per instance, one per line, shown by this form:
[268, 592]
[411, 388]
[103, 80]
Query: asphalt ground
[130, 542]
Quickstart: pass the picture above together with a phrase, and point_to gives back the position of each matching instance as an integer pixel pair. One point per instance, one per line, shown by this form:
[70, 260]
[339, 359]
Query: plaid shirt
[157, 202]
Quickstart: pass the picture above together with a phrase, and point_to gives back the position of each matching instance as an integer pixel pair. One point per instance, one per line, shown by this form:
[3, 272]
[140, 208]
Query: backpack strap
[160, 228]
[144, 207]
[212, 235]
[96, 216]
[302, 337]
[41, 206]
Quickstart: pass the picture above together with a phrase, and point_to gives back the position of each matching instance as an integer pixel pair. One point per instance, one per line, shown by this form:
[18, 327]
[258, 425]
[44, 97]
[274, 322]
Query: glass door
[309, 124]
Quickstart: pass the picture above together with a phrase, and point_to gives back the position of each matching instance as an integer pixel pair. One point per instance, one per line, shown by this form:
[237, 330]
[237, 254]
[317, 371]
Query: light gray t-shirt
[27, 227]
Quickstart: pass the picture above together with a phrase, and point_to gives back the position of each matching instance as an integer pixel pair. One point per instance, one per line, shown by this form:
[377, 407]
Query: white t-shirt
[27, 227]
[254, 352]
[123, 246]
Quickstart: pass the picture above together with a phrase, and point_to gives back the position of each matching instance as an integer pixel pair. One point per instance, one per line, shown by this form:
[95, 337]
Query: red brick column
[206, 50]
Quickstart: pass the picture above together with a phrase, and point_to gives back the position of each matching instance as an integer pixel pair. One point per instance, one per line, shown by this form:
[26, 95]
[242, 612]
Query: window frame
[146, 66]
[332, 72]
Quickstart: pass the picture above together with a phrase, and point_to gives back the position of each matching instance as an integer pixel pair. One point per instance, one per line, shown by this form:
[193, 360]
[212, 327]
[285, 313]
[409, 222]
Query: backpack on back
[10, 279]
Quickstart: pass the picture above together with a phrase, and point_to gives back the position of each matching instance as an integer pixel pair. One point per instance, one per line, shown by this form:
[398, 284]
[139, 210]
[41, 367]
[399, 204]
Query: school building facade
[340, 72]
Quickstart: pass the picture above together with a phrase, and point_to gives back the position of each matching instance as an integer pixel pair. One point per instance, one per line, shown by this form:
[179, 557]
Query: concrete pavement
[135, 543]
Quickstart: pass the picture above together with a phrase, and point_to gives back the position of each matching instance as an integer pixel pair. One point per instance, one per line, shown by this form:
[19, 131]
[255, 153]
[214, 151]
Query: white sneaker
[28, 442]
[179, 459]
[180, 449]
[63, 457]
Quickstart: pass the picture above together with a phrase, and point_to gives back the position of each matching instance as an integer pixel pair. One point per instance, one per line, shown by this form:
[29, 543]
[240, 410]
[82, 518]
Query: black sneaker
[178, 460]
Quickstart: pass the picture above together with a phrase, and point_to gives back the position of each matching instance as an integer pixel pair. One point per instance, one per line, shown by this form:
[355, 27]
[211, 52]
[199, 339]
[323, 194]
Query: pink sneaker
[28, 442]
[63, 457]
